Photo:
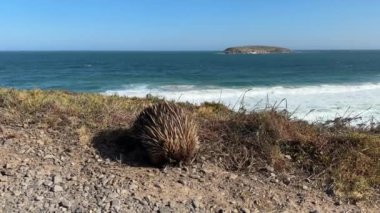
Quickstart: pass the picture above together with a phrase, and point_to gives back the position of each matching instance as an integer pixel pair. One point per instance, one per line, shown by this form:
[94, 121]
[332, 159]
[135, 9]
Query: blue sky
[188, 25]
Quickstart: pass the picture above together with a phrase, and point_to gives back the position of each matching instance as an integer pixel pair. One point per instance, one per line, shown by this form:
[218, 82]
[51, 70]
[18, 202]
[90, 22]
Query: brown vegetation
[343, 161]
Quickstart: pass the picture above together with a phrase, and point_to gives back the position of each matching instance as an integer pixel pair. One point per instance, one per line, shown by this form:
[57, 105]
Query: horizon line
[184, 50]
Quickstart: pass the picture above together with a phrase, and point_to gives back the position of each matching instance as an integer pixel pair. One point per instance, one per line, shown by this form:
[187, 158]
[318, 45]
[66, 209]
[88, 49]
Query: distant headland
[258, 49]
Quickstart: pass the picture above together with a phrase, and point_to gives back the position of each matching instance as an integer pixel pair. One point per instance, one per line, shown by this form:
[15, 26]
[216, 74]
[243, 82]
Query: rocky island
[256, 50]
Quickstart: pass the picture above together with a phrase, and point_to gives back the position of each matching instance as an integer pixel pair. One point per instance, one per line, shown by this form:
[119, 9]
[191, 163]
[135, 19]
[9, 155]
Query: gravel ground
[46, 170]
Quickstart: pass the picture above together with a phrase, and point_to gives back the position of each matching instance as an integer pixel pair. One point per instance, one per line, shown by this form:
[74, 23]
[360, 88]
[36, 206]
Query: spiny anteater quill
[167, 133]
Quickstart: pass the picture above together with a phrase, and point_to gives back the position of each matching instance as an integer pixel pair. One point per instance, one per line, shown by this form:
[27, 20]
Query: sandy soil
[83, 170]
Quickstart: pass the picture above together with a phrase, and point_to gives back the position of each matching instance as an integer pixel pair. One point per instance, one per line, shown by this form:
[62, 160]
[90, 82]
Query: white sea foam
[312, 103]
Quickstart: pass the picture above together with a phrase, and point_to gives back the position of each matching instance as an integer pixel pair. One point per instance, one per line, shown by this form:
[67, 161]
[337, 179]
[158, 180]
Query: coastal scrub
[343, 161]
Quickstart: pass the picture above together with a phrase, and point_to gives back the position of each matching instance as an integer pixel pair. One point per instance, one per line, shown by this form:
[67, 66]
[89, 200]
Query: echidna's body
[167, 133]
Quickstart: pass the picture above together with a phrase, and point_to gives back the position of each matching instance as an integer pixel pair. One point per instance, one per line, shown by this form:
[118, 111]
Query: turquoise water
[326, 82]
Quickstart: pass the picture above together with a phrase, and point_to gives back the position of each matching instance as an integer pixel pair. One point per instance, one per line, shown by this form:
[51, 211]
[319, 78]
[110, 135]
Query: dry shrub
[346, 158]
[245, 142]
[353, 162]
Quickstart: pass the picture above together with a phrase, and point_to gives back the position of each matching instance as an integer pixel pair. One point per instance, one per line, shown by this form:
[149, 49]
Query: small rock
[8, 166]
[269, 169]
[38, 198]
[113, 195]
[78, 210]
[57, 179]
[195, 203]
[86, 188]
[157, 185]
[171, 204]
[48, 183]
[272, 174]
[286, 180]
[7, 172]
[274, 181]
[183, 182]
[288, 157]
[116, 205]
[204, 171]
[304, 187]
[197, 177]
[49, 157]
[65, 204]
[40, 142]
[245, 210]
[3, 179]
[57, 188]
[165, 209]
[133, 186]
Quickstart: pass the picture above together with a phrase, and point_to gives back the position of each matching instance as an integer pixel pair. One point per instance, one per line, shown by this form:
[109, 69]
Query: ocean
[315, 85]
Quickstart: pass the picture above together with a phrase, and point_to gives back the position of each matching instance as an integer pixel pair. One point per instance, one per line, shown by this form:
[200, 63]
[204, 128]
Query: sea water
[315, 85]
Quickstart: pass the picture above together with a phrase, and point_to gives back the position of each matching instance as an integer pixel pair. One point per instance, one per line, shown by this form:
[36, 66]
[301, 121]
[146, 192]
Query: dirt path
[69, 171]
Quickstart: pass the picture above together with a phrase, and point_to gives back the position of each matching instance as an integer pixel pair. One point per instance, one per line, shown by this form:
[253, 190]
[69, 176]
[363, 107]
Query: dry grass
[341, 158]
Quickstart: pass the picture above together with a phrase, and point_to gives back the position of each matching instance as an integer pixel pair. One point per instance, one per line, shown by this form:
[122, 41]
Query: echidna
[167, 133]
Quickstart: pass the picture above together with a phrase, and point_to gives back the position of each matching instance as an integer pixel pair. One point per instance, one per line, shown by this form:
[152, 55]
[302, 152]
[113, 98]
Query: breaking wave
[312, 103]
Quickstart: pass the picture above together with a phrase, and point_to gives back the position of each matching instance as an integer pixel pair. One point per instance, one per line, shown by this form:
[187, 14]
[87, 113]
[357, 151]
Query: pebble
[274, 181]
[49, 157]
[8, 166]
[48, 183]
[245, 210]
[195, 177]
[269, 169]
[57, 179]
[116, 205]
[286, 180]
[195, 203]
[183, 182]
[3, 179]
[165, 209]
[133, 186]
[64, 203]
[38, 198]
[57, 188]
[157, 185]
[304, 187]
[40, 142]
